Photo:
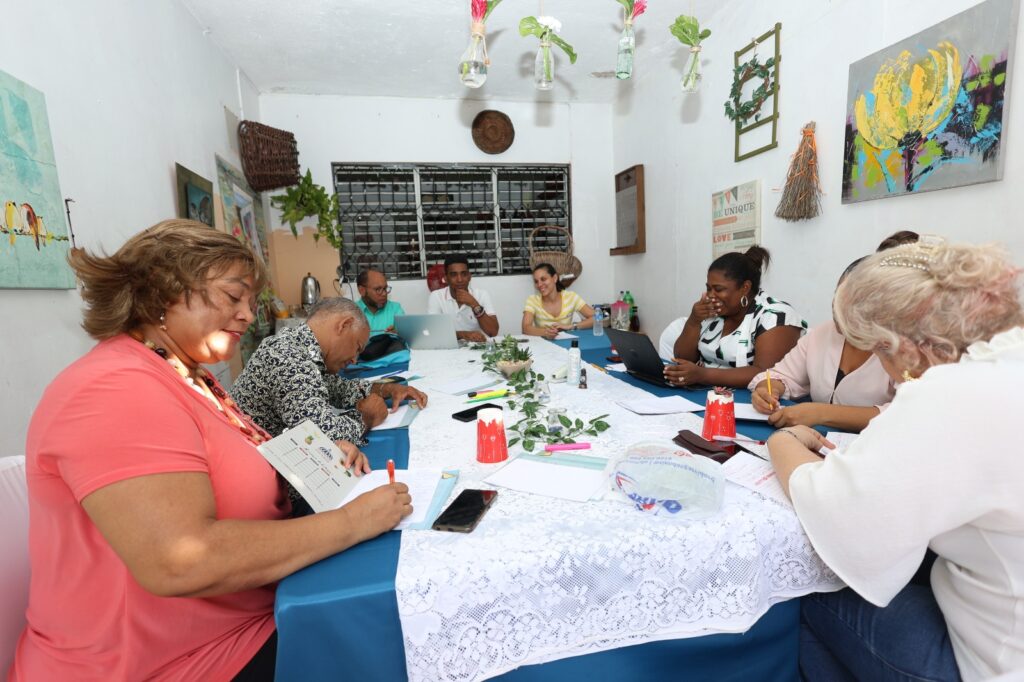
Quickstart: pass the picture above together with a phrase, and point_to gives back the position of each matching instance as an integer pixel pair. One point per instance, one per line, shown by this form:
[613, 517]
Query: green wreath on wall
[742, 111]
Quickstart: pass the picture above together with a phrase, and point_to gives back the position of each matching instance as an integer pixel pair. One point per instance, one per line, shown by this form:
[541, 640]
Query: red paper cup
[491, 446]
[719, 415]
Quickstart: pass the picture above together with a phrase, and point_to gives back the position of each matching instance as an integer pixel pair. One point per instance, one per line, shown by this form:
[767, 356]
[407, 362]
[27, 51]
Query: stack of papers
[530, 474]
[422, 485]
[747, 411]
[841, 439]
[755, 474]
[670, 405]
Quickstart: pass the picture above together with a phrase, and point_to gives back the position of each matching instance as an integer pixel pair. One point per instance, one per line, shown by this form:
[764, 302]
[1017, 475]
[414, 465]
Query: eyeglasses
[381, 290]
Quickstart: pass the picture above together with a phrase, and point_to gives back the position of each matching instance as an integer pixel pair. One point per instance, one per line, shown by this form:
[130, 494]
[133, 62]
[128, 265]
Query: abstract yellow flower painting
[927, 112]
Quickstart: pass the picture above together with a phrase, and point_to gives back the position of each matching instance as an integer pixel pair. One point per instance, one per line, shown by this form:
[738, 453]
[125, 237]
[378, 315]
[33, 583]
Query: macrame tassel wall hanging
[801, 198]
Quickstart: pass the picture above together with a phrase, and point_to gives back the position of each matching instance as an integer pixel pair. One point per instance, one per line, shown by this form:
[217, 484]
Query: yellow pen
[768, 378]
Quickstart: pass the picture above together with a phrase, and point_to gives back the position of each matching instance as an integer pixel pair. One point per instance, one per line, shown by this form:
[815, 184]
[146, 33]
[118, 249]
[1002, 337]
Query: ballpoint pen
[391, 471]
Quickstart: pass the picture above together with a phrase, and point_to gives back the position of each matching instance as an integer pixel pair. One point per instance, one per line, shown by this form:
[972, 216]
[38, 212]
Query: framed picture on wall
[195, 195]
[630, 232]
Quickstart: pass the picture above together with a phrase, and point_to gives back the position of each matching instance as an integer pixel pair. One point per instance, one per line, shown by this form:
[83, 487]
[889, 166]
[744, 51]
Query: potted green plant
[310, 199]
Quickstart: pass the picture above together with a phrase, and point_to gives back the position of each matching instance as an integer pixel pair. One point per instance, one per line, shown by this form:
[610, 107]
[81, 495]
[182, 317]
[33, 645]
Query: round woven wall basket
[493, 132]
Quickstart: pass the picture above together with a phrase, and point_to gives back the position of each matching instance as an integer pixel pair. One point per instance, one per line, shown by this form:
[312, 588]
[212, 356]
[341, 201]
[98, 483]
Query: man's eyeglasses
[381, 290]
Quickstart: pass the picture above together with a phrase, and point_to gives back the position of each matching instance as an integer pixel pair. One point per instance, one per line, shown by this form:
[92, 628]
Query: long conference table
[339, 618]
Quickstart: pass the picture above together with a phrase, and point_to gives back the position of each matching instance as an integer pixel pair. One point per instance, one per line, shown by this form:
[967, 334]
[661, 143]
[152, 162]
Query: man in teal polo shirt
[373, 301]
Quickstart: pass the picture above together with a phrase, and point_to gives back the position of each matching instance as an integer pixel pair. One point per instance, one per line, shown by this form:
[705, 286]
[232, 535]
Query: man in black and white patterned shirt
[292, 377]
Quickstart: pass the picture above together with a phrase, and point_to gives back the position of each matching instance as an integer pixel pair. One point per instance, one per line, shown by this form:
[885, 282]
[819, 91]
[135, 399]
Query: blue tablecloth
[338, 619]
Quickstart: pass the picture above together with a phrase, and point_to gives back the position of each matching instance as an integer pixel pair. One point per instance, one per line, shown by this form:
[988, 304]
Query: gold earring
[907, 376]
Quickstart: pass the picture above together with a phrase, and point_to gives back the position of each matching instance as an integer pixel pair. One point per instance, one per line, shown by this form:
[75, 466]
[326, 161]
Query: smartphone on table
[463, 514]
[469, 415]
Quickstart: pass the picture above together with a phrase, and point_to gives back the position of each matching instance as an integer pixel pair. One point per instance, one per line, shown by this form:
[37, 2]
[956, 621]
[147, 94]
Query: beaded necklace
[208, 387]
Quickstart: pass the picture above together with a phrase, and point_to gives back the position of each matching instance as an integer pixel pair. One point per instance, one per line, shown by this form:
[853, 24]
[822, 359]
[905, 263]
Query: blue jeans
[843, 637]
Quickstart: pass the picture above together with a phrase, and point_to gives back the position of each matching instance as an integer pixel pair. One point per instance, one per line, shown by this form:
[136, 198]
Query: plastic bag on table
[667, 481]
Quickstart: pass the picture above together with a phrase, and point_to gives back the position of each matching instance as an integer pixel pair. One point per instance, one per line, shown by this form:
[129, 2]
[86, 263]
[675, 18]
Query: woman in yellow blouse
[551, 309]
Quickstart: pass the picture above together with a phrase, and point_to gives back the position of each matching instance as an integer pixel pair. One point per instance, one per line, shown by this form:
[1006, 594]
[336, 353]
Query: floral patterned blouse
[286, 382]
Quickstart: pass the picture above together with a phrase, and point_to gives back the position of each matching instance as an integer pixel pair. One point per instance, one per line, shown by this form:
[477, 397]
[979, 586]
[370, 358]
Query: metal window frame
[350, 263]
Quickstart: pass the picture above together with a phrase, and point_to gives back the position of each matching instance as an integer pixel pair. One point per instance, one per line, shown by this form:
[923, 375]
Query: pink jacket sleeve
[792, 369]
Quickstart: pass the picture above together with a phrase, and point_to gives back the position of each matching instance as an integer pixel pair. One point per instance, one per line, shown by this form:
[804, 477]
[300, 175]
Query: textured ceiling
[411, 48]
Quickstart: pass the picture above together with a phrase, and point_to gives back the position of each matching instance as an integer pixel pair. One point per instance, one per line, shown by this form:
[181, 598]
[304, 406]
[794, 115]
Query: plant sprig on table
[532, 429]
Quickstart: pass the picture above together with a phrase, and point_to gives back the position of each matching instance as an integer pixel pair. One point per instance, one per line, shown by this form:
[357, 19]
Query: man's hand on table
[402, 392]
[475, 337]
[353, 458]
[374, 410]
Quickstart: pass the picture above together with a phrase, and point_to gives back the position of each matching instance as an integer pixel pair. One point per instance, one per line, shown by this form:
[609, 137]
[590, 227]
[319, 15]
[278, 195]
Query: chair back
[668, 338]
[14, 566]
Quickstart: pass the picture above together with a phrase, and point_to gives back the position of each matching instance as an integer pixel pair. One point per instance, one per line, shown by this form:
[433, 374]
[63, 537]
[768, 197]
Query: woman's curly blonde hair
[154, 269]
[924, 304]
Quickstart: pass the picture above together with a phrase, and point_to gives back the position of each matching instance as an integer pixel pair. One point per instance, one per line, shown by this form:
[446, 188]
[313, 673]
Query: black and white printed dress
[737, 348]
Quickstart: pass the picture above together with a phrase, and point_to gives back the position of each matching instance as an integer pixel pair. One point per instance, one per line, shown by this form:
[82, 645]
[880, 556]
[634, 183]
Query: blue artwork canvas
[33, 234]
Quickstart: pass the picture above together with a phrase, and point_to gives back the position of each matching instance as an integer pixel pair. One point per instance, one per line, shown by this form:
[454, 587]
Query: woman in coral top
[157, 530]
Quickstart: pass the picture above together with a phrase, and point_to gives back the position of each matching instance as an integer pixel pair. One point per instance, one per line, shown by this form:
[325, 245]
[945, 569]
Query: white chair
[669, 336]
[14, 566]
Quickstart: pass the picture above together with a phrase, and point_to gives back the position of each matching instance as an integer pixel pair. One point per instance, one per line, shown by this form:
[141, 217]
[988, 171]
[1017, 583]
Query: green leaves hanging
[739, 110]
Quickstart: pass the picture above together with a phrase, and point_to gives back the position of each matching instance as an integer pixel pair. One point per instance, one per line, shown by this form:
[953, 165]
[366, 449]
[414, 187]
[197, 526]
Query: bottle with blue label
[598, 321]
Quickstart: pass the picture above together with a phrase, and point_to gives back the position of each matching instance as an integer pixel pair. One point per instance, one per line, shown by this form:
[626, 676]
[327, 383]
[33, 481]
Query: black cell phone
[469, 415]
[465, 512]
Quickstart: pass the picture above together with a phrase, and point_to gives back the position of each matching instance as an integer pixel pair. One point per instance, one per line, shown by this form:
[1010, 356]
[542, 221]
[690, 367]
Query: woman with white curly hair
[936, 470]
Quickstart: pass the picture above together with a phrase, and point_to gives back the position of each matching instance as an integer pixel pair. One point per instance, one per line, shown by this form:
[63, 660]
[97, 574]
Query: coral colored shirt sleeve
[118, 413]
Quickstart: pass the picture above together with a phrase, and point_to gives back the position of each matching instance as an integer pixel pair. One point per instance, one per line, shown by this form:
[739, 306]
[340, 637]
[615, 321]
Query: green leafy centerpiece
[527, 397]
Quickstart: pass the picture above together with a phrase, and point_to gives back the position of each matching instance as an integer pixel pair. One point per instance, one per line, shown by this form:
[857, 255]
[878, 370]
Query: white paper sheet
[669, 405]
[422, 486]
[473, 382]
[747, 411]
[616, 367]
[395, 420]
[550, 480]
[563, 336]
[841, 439]
[756, 474]
[312, 463]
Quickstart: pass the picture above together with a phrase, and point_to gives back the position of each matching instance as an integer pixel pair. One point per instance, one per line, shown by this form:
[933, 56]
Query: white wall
[381, 130]
[686, 144]
[131, 88]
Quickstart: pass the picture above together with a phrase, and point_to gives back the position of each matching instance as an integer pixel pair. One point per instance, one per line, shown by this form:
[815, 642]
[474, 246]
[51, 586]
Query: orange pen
[391, 470]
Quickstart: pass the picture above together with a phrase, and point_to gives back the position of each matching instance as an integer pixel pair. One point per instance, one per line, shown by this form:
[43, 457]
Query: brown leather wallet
[720, 452]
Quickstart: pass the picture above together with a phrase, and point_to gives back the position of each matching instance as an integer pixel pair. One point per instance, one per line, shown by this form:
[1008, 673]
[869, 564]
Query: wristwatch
[478, 311]
[575, 326]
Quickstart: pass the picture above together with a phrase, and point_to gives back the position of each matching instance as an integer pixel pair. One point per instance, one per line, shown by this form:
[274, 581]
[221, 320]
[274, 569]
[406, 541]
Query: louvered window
[403, 218]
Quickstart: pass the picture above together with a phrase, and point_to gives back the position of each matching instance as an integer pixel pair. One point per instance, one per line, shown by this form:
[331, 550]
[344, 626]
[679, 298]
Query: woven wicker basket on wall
[270, 157]
[568, 266]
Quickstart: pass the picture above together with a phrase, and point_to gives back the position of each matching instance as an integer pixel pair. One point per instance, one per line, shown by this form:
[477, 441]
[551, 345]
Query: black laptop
[640, 357]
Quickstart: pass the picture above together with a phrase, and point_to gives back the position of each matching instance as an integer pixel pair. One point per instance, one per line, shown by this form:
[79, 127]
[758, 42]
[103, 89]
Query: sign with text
[736, 218]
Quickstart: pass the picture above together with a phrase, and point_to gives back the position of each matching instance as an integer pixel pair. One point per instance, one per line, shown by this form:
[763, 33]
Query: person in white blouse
[848, 386]
[938, 469]
[475, 318]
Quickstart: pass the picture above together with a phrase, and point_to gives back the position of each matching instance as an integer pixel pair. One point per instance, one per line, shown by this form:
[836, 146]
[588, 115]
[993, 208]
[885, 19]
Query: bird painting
[13, 219]
[28, 218]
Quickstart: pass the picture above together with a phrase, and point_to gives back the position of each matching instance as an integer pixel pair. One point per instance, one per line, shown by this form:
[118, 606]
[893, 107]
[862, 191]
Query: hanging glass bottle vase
[627, 47]
[473, 67]
[544, 67]
[691, 79]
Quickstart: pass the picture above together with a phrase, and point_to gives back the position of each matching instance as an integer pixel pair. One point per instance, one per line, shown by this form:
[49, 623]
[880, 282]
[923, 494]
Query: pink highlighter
[557, 447]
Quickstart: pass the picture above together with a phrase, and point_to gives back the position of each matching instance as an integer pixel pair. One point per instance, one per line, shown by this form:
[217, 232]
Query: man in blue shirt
[373, 301]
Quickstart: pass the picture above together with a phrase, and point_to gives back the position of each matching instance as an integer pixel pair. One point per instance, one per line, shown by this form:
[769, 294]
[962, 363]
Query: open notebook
[313, 464]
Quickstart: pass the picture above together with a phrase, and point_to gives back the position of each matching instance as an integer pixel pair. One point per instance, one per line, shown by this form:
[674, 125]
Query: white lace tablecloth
[542, 579]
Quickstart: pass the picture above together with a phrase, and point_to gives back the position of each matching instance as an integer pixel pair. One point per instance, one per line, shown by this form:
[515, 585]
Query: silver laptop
[427, 332]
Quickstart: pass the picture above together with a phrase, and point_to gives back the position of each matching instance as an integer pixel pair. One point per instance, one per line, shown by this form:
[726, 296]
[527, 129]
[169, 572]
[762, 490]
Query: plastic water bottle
[575, 362]
[598, 321]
